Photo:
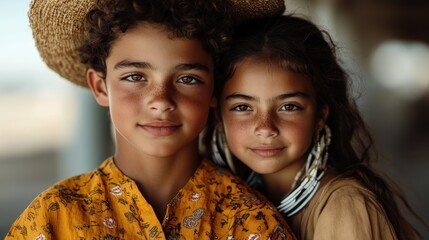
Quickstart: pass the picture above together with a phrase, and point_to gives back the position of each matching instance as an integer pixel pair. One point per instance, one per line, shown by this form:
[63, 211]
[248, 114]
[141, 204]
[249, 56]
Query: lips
[267, 151]
[160, 128]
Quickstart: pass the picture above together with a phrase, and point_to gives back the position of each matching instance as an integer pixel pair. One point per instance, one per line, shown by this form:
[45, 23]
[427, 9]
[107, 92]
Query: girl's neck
[279, 184]
[159, 179]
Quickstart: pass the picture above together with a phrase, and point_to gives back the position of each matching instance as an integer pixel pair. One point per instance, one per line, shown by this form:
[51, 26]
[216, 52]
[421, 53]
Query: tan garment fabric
[343, 209]
[105, 204]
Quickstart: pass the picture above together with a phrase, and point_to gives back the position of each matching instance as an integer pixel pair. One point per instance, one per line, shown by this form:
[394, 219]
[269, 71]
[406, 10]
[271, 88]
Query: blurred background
[51, 129]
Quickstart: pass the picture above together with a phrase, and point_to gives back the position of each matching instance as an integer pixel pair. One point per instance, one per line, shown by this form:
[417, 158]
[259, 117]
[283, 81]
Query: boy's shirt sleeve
[32, 222]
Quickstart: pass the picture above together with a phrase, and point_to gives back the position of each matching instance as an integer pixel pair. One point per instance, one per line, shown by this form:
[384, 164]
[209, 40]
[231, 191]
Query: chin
[265, 168]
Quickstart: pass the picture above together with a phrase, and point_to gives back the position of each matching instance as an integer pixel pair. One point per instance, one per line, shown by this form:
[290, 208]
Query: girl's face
[269, 116]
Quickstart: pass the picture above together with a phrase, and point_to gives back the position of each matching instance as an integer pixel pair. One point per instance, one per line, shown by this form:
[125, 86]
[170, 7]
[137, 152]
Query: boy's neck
[159, 179]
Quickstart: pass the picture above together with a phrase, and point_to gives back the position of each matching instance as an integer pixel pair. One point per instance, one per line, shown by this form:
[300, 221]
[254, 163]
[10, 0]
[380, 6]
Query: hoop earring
[222, 157]
[221, 154]
[307, 180]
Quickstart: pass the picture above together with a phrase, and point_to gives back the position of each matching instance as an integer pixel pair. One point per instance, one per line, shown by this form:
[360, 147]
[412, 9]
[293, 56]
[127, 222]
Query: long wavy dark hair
[298, 45]
[206, 21]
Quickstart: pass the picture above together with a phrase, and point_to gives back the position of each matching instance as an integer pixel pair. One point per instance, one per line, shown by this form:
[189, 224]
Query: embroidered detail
[278, 233]
[35, 204]
[153, 232]
[212, 235]
[249, 199]
[116, 191]
[254, 236]
[198, 213]
[190, 222]
[110, 237]
[109, 222]
[40, 237]
[195, 197]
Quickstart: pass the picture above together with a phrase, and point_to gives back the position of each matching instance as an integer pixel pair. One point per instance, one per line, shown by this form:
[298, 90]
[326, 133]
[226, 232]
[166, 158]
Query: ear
[98, 87]
[324, 113]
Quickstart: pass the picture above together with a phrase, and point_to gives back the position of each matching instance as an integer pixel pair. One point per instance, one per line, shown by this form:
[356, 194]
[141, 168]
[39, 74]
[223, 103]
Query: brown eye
[188, 80]
[241, 108]
[290, 107]
[134, 78]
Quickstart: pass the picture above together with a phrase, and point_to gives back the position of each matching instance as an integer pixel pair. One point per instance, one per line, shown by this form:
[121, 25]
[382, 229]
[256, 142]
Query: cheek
[194, 105]
[122, 102]
[198, 98]
[197, 102]
[298, 134]
[124, 106]
[236, 132]
[195, 111]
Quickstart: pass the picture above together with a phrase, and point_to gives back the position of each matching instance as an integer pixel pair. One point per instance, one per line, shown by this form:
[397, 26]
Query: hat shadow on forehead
[58, 28]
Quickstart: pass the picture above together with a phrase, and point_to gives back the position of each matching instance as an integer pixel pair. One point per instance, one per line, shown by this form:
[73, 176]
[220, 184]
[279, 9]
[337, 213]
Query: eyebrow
[193, 66]
[280, 97]
[239, 96]
[133, 64]
[292, 94]
[146, 65]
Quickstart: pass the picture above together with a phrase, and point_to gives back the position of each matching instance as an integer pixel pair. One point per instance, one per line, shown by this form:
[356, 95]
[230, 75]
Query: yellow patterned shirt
[107, 205]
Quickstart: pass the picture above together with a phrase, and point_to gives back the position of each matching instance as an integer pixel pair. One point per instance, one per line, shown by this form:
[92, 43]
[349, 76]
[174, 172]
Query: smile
[160, 129]
[267, 151]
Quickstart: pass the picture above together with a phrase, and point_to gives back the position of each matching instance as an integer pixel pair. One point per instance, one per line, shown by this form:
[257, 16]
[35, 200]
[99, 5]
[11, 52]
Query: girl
[287, 114]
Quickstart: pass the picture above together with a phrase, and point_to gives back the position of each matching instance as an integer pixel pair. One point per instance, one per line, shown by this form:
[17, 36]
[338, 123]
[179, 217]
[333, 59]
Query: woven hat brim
[250, 9]
[58, 28]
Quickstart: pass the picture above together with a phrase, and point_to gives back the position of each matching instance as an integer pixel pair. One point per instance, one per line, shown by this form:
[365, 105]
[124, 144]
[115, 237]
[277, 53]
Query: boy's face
[159, 90]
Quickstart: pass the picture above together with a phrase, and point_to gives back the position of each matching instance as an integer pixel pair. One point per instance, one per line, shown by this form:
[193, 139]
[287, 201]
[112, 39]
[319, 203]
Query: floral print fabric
[105, 204]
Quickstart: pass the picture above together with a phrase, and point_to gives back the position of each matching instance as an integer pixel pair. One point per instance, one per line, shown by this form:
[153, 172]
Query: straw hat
[58, 29]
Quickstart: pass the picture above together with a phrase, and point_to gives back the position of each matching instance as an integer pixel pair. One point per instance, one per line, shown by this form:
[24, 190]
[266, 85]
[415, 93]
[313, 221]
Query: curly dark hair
[207, 21]
[298, 45]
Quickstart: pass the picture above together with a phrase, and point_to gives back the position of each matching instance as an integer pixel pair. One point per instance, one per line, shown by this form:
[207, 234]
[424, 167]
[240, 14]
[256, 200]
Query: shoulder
[73, 190]
[55, 204]
[236, 205]
[345, 195]
[342, 192]
[224, 185]
[78, 187]
[353, 209]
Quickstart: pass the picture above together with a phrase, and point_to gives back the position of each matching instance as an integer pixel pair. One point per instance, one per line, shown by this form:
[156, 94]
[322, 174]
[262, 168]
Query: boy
[152, 63]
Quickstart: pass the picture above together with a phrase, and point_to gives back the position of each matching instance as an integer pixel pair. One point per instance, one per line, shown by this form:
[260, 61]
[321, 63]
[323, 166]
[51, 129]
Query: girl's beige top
[343, 209]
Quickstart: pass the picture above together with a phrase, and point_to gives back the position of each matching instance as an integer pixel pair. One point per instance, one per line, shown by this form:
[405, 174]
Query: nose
[266, 127]
[161, 99]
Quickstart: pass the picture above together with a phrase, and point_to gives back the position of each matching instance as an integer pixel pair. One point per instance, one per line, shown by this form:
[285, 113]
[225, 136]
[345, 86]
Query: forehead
[154, 44]
[255, 76]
